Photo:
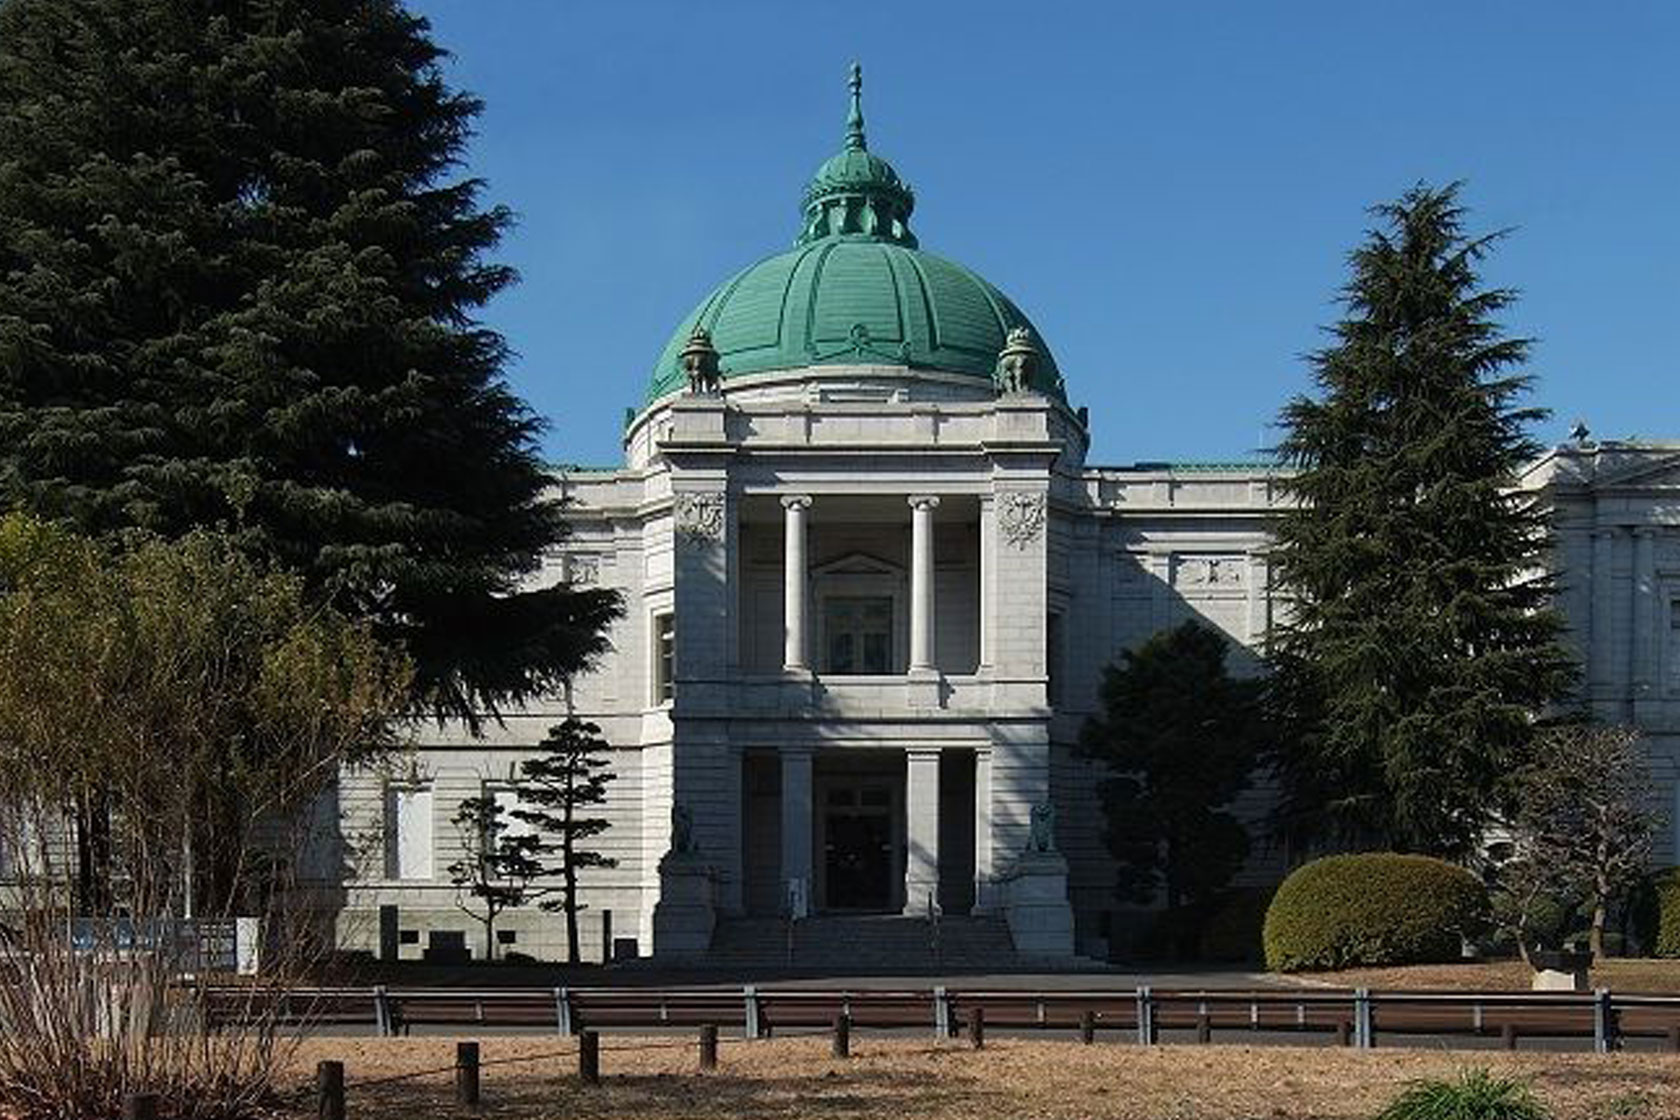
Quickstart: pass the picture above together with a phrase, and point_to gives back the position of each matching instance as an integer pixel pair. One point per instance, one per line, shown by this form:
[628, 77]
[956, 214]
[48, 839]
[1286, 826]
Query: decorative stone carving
[1017, 362]
[699, 517]
[700, 362]
[1020, 516]
[682, 830]
[1041, 835]
[1213, 571]
[583, 571]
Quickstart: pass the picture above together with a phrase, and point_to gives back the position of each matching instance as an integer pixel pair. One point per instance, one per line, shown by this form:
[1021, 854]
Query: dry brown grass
[1629, 975]
[1009, 1080]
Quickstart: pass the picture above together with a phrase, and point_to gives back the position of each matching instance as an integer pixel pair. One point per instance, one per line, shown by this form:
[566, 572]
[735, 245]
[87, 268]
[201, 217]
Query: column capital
[796, 501]
[1602, 531]
[923, 501]
[923, 753]
[1646, 532]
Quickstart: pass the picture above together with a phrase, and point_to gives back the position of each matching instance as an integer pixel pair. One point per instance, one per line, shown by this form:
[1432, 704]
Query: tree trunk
[1596, 940]
[490, 936]
[570, 898]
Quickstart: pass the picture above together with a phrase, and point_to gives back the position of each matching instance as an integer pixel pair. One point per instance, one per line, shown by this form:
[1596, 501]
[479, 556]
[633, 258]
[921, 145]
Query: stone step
[843, 944]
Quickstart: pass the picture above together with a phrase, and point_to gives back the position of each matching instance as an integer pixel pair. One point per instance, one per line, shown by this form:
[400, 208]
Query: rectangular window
[408, 832]
[509, 800]
[858, 635]
[664, 657]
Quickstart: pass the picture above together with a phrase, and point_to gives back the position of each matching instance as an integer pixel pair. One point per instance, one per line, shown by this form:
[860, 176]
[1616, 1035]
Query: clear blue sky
[1168, 189]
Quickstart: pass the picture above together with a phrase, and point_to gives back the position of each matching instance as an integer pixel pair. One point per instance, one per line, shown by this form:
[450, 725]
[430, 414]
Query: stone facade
[870, 586]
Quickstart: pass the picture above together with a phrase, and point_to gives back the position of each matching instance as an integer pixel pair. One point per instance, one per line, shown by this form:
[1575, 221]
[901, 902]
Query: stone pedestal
[1033, 897]
[687, 909]
[1561, 971]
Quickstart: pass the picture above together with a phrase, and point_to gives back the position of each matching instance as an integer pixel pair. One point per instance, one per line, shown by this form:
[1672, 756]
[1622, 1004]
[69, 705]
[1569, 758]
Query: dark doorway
[857, 854]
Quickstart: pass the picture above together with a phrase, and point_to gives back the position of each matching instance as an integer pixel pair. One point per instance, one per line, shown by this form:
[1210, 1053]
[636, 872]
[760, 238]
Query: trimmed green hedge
[1375, 908]
[1657, 913]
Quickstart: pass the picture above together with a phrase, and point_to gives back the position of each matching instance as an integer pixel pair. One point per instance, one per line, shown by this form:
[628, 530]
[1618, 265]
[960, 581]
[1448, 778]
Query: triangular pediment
[857, 564]
[1662, 471]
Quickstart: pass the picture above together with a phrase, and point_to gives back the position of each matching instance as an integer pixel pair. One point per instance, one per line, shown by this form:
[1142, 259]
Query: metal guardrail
[1355, 1017]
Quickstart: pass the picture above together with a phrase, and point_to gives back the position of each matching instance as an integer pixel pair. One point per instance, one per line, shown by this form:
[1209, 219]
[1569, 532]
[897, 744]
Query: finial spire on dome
[854, 119]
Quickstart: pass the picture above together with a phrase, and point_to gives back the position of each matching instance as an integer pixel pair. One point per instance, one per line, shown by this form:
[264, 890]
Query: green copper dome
[856, 289]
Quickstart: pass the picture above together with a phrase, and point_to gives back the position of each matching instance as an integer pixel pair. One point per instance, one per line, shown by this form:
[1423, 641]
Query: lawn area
[1622, 975]
[651, 1079]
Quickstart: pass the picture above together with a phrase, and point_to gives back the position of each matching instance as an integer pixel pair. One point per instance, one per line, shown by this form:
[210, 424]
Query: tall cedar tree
[1421, 646]
[564, 784]
[1180, 737]
[239, 275]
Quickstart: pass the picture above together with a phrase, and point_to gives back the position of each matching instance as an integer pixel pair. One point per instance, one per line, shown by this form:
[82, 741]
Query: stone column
[921, 582]
[796, 819]
[983, 901]
[1601, 671]
[794, 656]
[1642, 658]
[921, 831]
[988, 574]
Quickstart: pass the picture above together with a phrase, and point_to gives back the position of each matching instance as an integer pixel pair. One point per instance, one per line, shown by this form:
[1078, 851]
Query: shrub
[1656, 913]
[1375, 908]
[1475, 1095]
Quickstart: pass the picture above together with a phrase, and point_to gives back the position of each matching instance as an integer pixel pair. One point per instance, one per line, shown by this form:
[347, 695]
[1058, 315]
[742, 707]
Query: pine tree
[1421, 647]
[564, 783]
[499, 868]
[1179, 737]
[239, 276]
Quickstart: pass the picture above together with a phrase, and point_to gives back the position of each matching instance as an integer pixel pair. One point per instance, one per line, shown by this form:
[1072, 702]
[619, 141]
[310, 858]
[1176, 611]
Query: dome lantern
[857, 193]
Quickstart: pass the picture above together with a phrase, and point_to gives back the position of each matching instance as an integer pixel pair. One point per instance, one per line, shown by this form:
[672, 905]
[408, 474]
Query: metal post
[329, 1090]
[1146, 1033]
[941, 1014]
[381, 1012]
[977, 1027]
[750, 995]
[1364, 1034]
[606, 937]
[563, 1012]
[842, 1036]
[1088, 1027]
[466, 1074]
[589, 1057]
[1604, 1022]
[708, 1047]
[1204, 1028]
[140, 1106]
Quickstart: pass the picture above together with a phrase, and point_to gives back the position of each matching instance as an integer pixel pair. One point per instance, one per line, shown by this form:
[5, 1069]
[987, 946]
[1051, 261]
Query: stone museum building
[870, 583]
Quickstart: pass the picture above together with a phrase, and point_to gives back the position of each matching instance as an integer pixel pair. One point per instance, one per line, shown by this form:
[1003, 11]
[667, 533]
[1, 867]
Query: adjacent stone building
[871, 582]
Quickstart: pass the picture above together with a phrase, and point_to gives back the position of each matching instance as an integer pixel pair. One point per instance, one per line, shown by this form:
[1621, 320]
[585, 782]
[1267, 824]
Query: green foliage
[178, 690]
[1179, 737]
[499, 868]
[1375, 908]
[239, 281]
[1659, 924]
[1475, 1094]
[1421, 644]
[564, 784]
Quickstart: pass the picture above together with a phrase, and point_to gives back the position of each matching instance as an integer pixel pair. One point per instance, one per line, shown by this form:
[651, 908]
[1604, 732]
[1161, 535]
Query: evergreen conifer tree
[239, 275]
[564, 784]
[1179, 736]
[1420, 646]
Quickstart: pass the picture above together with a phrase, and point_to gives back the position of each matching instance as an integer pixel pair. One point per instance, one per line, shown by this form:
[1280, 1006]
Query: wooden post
[329, 1090]
[842, 1036]
[977, 1027]
[1344, 1032]
[140, 1106]
[708, 1047]
[1088, 1027]
[466, 1074]
[1204, 1029]
[1674, 1040]
[589, 1057]
[1508, 1036]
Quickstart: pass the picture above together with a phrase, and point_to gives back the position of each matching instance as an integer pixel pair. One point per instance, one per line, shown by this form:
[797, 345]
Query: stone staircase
[863, 945]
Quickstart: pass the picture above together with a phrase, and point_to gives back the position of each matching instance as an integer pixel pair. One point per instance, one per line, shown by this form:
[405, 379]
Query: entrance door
[858, 848]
